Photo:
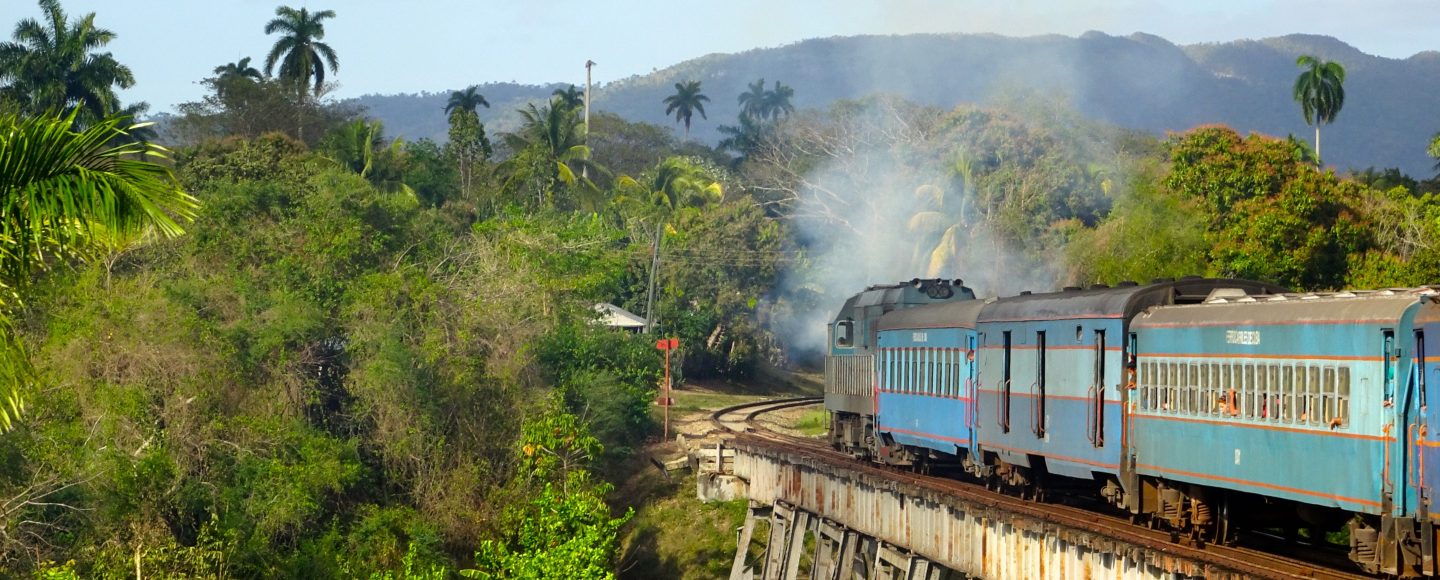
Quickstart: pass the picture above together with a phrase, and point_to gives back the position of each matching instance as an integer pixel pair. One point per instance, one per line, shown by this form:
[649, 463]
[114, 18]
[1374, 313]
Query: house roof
[615, 316]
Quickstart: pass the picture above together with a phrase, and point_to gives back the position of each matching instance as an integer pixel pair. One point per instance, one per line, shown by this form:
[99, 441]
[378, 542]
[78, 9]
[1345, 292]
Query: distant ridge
[1142, 81]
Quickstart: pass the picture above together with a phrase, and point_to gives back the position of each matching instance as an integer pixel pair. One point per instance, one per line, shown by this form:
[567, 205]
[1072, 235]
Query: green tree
[753, 100]
[54, 67]
[1320, 90]
[468, 143]
[548, 149]
[777, 101]
[240, 69]
[237, 75]
[675, 183]
[299, 50]
[566, 530]
[571, 97]
[61, 187]
[66, 192]
[744, 138]
[1269, 215]
[686, 101]
[360, 147]
[465, 102]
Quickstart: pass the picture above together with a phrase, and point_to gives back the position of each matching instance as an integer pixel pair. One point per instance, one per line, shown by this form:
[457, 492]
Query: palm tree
[1320, 90]
[61, 187]
[230, 74]
[467, 134]
[572, 97]
[752, 101]
[64, 191]
[548, 147]
[465, 101]
[777, 101]
[743, 139]
[301, 55]
[677, 184]
[686, 101]
[240, 69]
[52, 66]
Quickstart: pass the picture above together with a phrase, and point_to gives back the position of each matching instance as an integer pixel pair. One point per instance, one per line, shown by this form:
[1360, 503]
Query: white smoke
[887, 205]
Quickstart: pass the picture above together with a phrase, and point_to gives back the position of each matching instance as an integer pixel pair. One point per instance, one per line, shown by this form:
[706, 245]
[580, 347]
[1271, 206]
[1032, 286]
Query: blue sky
[392, 46]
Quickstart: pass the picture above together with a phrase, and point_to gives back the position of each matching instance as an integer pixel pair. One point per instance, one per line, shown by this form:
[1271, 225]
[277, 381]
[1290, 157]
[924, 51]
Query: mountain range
[1140, 81]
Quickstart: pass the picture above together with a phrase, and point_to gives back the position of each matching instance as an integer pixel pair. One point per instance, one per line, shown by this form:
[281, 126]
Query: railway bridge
[825, 516]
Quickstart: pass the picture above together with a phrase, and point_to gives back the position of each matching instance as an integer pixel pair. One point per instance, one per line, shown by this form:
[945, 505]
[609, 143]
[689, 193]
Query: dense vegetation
[369, 357]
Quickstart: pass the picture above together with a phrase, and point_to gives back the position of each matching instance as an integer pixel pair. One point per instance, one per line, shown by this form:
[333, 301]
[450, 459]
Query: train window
[922, 358]
[1151, 386]
[1167, 378]
[1287, 394]
[1247, 390]
[1146, 377]
[1312, 395]
[1327, 395]
[845, 333]
[959, 377]
[937, 368]
[1192, 388]
[1213, 396]
[1272, 392]
[1172, 386]
[1079, 335]
[1342, 398]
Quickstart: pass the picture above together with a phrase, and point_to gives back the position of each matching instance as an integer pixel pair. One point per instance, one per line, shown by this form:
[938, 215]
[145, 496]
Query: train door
[972, 386]
[1004, 398]
[1037, 419]
[1128, 478]
[1095, 396]
[1393, 467]
[1423, 418]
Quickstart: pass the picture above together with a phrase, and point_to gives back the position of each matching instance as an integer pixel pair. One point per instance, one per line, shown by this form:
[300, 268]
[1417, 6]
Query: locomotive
[1201, 406]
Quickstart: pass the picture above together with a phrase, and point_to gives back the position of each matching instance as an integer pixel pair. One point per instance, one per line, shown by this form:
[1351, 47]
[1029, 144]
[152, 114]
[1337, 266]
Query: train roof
[912, 293]
[1117, 302]
[959, 314]
[1351, 306]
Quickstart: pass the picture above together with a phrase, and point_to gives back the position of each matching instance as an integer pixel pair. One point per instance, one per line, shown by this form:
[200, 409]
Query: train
[1203, 406]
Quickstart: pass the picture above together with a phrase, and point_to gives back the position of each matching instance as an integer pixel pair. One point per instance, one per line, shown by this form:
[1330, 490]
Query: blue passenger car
[926, 379]
[1318, 399]
[1052, 377]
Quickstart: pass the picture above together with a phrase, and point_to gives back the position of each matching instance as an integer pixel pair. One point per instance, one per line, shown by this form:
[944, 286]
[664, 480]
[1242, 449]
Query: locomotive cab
[850, 353]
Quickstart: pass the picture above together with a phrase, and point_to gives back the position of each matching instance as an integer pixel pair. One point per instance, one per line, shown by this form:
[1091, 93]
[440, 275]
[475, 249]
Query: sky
[408, 46]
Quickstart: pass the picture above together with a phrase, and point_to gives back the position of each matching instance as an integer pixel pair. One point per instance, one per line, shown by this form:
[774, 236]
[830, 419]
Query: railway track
[1246, 562]
[742, 418]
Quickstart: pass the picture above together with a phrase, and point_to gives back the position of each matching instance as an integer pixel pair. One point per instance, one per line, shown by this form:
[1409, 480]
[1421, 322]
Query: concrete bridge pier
[835, 552]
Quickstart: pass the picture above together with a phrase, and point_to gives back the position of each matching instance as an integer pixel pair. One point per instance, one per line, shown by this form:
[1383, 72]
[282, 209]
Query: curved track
[741, 418]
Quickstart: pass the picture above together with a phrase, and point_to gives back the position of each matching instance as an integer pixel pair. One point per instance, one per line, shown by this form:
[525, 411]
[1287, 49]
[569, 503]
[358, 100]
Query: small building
[617, 317]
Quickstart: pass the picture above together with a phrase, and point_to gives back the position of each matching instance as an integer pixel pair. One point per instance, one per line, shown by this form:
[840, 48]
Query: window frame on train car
[1342, 399]
[1388, 370]
[845, 339]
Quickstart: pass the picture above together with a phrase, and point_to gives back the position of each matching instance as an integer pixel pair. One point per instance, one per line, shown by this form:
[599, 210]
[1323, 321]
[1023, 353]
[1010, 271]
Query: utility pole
[584, 171]
[654, 267]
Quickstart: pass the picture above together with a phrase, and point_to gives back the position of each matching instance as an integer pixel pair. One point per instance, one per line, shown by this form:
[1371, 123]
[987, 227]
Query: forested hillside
[1139, 81]
[293, 345]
